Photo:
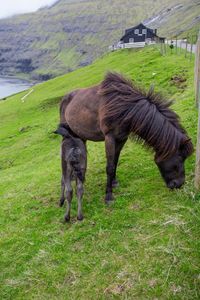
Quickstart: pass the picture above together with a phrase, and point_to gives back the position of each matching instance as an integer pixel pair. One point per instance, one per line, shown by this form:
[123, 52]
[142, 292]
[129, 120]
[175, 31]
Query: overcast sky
[12, 7]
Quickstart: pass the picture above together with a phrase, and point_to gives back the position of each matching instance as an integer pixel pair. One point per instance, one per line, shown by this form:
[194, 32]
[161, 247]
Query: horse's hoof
[115, 183]
[61, 202]
[109, 203]
[67, 218]
[109, 198]
[80, 218]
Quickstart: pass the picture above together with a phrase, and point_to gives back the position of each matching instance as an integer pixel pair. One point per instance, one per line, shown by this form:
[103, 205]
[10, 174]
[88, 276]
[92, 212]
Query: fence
[197, 97]
[133, 45]
[179, 46]
[127, 46]
[174, 45]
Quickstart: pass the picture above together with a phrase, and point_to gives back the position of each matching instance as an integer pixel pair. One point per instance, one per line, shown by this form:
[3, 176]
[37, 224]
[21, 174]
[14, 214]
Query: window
[144, 31]
[131, 40]
[136, 31]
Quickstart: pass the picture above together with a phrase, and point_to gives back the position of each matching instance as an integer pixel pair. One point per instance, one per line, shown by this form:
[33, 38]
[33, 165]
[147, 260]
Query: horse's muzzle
[175, 184]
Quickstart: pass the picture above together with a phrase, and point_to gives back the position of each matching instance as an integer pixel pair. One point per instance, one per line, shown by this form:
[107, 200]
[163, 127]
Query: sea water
[9, 86]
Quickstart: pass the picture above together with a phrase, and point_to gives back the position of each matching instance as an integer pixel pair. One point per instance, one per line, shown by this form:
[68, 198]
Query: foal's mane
[145, 114]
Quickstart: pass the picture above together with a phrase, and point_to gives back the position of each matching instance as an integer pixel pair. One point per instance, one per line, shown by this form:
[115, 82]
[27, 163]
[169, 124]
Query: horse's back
[82, 113]
[64, 103]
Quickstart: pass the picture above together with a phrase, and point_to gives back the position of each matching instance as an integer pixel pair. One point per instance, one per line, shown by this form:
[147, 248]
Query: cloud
[12, 7]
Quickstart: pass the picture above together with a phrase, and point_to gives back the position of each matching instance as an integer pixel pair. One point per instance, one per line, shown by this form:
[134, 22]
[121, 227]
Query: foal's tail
[63, 129]
[75, 161]
[75, 156]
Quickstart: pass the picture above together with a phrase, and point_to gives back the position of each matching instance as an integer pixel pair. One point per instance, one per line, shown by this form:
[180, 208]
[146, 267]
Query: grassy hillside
[145, 246]
[72, 33]
[179, 19]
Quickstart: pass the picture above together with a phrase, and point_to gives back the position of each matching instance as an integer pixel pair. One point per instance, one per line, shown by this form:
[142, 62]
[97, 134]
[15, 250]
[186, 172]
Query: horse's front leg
[110, 167]
[118, 147]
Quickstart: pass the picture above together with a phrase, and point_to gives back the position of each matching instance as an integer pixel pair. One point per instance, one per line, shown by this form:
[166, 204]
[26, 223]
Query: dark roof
[127, 31]
[135, 27]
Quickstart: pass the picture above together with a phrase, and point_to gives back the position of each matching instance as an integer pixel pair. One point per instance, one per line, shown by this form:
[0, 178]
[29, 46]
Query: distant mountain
[72, 33]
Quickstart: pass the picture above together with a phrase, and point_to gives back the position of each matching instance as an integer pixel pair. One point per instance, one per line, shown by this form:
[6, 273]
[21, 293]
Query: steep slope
[145, 246]
[72, 33]
[177, 19]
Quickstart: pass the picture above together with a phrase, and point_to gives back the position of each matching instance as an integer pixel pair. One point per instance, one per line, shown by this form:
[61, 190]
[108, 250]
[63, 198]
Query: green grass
[145, 246]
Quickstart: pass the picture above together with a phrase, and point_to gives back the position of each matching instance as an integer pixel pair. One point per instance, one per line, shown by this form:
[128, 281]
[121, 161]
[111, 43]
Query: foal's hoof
[67, 219]
[80, 218]
[115, 183]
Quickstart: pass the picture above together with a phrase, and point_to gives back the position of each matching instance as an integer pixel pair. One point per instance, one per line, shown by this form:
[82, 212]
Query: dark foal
[74, 163]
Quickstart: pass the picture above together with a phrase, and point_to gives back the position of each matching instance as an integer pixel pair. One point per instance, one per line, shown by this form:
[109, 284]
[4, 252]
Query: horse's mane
[145, 114]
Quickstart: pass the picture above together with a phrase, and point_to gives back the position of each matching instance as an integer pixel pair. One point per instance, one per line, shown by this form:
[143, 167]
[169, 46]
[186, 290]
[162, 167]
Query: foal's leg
[110, 167]
[69, 195]
[64, 172]
[80, 190]
[62, 197]
[118, 147]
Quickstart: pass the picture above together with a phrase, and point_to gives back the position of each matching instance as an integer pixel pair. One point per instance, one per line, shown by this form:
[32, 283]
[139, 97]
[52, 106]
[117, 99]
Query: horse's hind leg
[118, 147]
[80, 191]
[62, 197]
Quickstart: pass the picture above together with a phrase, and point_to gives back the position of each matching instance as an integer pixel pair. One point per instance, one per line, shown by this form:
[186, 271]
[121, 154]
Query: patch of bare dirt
[180, 81]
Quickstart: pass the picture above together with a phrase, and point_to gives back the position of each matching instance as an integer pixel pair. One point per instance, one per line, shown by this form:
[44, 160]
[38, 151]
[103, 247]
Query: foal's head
[172, 169]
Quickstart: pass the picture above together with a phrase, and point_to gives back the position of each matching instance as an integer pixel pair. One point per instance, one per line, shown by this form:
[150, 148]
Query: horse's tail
[75, 161]
[63, 105]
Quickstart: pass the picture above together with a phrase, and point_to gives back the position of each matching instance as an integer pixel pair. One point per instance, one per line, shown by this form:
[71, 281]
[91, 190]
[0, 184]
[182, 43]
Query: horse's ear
[186, 148]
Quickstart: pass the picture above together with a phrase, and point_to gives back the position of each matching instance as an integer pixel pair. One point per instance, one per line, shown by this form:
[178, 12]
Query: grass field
[145, 246]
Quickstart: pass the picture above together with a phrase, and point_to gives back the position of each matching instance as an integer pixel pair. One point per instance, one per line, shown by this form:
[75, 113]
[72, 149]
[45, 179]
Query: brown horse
[115, 109]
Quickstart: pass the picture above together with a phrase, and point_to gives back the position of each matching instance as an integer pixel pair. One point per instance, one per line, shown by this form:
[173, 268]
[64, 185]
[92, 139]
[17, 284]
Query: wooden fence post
[186, 46]
[197, 71]
[161, 49]
[180, 47]
[176, 45]
[197, 96]
[165, 51]
[191, 47]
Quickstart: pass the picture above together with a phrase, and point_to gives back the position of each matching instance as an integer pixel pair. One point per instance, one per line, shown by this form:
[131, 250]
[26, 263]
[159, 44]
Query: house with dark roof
[141, 34]
[138, 36]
